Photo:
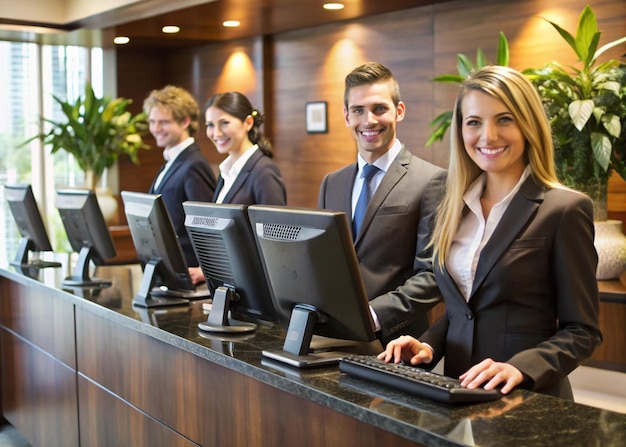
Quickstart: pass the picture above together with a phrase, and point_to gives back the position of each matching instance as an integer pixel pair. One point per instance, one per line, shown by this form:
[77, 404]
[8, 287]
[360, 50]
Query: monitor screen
[30, 225]
[222, 239]
[166, 280]
[315, 282]
[87, 234]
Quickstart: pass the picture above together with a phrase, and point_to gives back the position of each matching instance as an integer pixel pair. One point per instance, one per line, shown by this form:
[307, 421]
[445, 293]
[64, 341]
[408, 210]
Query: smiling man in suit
[392, 230]
[186, 175]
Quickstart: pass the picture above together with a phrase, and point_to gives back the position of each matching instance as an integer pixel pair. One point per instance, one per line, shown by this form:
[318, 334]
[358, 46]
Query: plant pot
[108, 206]
[610, 244]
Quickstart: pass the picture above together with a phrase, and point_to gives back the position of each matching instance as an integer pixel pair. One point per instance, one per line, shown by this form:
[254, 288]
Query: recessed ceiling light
[170, 29]
[333, 6]
[121, 40]
[231, 23]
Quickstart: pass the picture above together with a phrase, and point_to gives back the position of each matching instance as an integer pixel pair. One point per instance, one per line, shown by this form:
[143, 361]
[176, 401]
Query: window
[30, 74]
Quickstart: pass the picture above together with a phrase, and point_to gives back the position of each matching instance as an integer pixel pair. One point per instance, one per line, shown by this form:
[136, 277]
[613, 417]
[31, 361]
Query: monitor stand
[80, 276]
[21, 257]
[149, 296]
[218, 320]
[304, 350]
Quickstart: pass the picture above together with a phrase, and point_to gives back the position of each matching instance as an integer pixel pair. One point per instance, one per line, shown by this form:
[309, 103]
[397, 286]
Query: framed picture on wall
[316, 117]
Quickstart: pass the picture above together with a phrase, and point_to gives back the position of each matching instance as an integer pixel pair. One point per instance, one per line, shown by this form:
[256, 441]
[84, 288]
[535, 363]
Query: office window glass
[31, 74]
[18, 75]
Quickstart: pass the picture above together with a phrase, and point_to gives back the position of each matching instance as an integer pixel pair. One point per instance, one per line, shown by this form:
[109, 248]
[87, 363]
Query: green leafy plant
[465, 67]
[95, 131]
[587, 111]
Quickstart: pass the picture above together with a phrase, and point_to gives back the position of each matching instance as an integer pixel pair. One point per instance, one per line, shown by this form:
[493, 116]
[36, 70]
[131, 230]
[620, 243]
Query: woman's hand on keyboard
[406, 349]
[492, 374]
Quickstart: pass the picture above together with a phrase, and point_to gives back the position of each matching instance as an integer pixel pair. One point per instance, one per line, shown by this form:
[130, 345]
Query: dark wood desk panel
[206, 402]
[612, 353]
[27, 309]
[106, 420]
[39, 394]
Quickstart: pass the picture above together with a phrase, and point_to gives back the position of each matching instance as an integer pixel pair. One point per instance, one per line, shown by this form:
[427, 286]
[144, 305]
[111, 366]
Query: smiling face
[227, 132]
[165, 129]
[491, 136]
[372, 116]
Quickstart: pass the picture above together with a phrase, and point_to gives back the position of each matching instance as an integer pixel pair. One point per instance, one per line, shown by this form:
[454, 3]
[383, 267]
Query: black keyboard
[413, 380]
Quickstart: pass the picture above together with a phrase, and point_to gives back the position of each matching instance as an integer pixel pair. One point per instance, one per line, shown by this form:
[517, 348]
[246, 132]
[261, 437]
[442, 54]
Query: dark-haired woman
[248, 175]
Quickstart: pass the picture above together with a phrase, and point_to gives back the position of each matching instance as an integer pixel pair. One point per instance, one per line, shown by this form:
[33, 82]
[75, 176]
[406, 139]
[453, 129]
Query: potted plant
[587, 111]
[95, 131]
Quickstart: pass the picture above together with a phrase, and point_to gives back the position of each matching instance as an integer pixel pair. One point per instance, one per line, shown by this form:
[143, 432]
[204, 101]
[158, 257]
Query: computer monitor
[166, 280]
[87, 234]
[222, 239]
[27, 217]
[315, 282]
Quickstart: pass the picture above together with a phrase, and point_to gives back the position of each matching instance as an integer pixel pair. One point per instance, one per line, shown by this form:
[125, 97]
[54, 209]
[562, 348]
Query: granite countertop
[520, 419]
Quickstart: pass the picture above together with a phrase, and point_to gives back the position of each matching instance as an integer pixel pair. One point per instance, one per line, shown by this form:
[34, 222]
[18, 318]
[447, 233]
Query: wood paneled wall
[281, 73]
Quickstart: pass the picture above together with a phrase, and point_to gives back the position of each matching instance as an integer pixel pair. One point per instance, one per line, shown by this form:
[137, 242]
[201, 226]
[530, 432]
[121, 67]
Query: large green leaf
[608, 46]
[612, 125]
[503, 51]
[587, 35]
[601, 145]
[611, 86]
[580, 111]
[440, 125]
[568, 38]
[481, 60]
[449, 78]
[464, 65]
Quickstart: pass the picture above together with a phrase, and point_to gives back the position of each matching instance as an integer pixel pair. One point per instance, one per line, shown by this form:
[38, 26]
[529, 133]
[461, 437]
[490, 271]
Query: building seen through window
[30, 75]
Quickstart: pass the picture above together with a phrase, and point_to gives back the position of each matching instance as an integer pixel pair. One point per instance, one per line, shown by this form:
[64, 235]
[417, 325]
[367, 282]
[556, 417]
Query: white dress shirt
[229, 171]
[170, 155]
[474, 233]
[382, 164]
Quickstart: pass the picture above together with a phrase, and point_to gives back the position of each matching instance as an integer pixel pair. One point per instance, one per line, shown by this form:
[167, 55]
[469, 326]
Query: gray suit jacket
[391, 245]
[534, 302]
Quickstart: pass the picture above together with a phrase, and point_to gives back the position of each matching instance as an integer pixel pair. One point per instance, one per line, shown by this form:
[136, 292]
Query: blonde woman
[513, 250]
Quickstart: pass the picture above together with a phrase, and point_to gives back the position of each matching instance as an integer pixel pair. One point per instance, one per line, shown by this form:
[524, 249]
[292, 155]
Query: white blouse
[474, 233]
[229, 171]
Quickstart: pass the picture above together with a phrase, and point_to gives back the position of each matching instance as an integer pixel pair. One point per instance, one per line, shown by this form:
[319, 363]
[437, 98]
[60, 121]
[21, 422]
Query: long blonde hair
[521, 98]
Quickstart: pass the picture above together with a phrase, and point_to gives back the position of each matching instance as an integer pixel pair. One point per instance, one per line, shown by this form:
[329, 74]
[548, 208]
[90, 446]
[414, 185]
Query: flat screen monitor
[166, 280]
[315, 282]
[222, 239]
[87, 234]
[27, 217]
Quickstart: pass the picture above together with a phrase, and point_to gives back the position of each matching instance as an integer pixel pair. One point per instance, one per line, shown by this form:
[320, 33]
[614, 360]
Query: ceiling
[202, 23]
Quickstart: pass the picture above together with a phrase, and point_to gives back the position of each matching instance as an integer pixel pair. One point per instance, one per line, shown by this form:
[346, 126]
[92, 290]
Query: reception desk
[85, 368]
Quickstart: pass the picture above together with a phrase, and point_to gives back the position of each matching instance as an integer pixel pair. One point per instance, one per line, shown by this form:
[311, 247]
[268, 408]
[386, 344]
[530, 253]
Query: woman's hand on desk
[492, 374]
[406, 349]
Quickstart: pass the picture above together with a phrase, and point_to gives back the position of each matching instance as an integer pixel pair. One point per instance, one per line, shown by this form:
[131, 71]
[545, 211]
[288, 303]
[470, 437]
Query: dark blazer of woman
[532, 284]
[259, 182]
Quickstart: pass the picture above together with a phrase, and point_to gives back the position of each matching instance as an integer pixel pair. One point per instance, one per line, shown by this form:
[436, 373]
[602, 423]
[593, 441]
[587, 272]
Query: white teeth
[491, 151]
[369, 133]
